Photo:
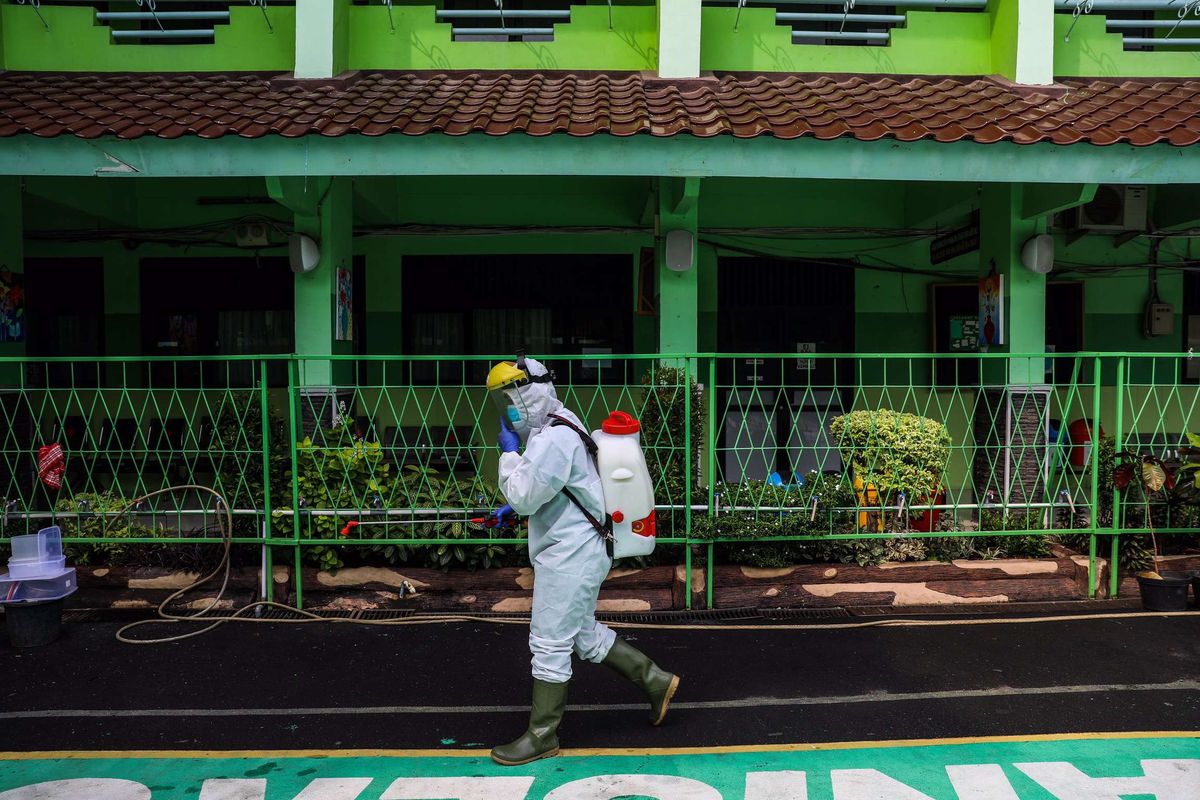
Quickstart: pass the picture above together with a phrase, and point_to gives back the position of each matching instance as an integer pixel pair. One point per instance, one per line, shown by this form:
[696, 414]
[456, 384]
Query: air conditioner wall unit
[1114, 209]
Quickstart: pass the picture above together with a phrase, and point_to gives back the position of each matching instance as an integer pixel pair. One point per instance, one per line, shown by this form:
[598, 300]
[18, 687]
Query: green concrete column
[1003, 230]
[322, 37]
[1035, 42]
[122, 304]
[331, 226]
[1012, 405]
[12, 257]
[1023, 40]
[678, 292]
[679, 38]
[323, 209]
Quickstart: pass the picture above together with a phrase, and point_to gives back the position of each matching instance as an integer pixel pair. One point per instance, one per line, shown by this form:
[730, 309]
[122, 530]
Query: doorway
[775, 411]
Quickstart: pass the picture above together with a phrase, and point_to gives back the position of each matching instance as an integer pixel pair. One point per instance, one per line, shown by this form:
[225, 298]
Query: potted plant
[1154, 477]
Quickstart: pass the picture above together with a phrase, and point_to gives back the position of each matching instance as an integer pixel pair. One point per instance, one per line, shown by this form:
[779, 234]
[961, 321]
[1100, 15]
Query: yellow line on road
[593, 752]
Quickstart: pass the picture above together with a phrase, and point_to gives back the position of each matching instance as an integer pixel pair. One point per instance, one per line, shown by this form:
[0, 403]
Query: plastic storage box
[37, 555]
[33, 589]
[37, 590]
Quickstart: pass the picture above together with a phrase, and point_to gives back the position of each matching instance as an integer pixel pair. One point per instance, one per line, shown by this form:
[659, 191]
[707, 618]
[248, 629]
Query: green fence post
[1114, 565]
[1094, 516]
[293, 366]
[711, 445]
[687, 455]
[1114, 579]
[1092, 577]
[268, 556]
[708, 576]
[687, 576]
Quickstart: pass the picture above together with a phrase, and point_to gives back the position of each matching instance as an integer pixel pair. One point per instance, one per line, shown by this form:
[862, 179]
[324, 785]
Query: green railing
[919, 453]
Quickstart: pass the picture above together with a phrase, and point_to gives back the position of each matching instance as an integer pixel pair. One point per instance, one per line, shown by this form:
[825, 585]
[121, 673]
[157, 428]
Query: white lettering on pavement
[782, 785]
[458, 789]
[981, 782]
[1165, 779]
[256, 789]
[80, 789]
[659, 787]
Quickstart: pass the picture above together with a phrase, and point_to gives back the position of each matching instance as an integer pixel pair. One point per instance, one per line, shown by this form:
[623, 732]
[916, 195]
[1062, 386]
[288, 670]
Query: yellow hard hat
[504, 374]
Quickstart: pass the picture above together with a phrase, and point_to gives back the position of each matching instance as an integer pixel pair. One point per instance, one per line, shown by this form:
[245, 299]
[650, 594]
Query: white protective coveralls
[569, 557]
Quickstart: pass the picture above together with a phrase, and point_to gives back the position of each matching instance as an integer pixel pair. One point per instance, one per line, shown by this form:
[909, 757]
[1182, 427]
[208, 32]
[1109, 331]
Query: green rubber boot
[540, 740]
[633, 665]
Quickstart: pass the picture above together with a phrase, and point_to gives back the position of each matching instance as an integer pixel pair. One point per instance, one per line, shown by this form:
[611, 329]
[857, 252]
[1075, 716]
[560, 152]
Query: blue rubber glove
[508, 440]
[501, 517]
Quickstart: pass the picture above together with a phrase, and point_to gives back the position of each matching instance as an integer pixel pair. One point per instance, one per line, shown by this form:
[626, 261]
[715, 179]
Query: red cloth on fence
[51, 465]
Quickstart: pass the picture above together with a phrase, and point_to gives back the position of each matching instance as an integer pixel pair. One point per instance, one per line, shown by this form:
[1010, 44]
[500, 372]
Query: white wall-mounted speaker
[1037, 254]
[303, 253]
[680, 250]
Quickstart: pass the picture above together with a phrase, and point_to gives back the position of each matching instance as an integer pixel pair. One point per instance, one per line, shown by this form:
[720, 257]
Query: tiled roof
[581, 104]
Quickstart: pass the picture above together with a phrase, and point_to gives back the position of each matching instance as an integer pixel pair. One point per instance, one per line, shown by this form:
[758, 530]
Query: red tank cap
[619, 423]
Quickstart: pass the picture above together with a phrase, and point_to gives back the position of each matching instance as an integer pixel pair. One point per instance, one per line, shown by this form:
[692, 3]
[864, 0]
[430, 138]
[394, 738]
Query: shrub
[349, 474]
[833, 513]
[895, 452]
[85, 515]
[671, 400]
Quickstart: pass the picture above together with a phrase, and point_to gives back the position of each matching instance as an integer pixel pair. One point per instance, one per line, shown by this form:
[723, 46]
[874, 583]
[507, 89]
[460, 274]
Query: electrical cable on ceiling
[882, 266]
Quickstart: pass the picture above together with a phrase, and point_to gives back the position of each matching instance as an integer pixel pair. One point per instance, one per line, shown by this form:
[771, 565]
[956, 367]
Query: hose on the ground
[225, 526]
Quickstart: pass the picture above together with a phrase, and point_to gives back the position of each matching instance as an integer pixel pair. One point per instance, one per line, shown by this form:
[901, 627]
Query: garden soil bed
[510, 590]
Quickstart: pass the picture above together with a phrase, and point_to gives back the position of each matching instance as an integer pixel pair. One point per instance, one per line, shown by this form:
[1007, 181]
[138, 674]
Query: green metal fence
[794, 450]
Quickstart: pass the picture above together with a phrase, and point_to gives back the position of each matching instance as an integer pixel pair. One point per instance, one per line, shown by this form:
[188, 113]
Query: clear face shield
[514, 414]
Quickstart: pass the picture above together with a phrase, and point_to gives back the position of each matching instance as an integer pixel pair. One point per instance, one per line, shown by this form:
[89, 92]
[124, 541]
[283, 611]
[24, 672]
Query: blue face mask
[514, 416]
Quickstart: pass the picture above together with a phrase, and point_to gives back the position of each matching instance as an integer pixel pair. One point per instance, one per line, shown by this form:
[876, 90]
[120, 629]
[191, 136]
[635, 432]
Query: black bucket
[1168, 594]
[33, 624]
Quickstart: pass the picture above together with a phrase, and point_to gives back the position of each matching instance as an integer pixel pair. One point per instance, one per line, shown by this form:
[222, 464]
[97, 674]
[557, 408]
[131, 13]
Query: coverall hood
[537, 401]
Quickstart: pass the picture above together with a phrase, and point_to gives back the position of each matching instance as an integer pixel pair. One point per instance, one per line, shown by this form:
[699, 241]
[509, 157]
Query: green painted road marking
[1160, 766]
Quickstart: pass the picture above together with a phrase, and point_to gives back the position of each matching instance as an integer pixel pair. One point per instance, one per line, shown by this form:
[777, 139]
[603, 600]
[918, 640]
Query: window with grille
[1146, 25]
[849, 23]
[164, 21]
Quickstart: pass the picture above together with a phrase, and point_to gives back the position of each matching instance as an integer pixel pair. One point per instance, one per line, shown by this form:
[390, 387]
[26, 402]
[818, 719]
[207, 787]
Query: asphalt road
[464, 686]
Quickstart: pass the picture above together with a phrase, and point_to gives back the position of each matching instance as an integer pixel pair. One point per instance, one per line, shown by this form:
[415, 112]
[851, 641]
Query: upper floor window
[166, 21]
[851, 22]
[1143, 24]
[499, 20]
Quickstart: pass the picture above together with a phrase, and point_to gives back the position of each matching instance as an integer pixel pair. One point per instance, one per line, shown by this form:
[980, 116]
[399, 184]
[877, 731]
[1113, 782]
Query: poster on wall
[991, 310]
[12, 306]
[345, 305]
[964, 334]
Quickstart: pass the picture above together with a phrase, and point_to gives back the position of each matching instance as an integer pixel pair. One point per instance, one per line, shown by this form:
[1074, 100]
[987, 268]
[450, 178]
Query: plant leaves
[1122, 476]
[1154, 477]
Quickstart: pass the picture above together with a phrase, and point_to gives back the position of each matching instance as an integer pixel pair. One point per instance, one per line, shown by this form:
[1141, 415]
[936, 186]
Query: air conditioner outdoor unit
[1115, 208]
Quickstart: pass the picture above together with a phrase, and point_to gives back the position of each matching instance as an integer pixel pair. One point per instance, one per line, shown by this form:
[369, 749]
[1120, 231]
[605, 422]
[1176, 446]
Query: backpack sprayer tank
[628, 491]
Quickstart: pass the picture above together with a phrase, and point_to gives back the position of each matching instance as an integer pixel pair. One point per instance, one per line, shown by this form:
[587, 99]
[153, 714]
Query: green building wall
[891, 309]
[1093, 52]
[418, 41]
[72, 41]
[930, 43]
[409, 37]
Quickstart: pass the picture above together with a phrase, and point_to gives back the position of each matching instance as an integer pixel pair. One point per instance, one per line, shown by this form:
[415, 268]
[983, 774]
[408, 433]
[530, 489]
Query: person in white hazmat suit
[570, 556]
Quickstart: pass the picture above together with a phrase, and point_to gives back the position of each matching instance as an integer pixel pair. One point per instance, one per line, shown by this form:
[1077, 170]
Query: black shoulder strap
[588, 441]
[605, 528]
